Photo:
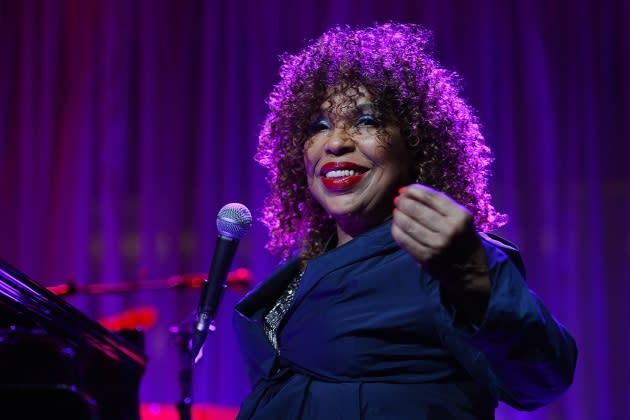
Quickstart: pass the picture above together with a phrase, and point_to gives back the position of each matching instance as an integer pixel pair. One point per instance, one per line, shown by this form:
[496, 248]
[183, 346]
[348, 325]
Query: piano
[55, 362]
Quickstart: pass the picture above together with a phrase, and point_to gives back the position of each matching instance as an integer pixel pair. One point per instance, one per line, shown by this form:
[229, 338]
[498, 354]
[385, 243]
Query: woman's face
[354, 161]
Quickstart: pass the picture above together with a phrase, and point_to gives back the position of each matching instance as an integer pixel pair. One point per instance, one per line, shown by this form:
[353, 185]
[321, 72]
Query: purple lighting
[126, 125]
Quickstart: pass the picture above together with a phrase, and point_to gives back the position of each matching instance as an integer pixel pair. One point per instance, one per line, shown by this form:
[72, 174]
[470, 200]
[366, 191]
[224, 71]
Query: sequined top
[279, 310]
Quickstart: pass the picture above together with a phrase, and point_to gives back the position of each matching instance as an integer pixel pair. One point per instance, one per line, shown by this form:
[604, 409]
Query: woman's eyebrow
[350, 110]
[343, 111]
[366, 107]
[320, 114]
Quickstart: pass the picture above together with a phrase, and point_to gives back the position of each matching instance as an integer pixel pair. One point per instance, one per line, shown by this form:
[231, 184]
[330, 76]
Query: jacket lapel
[266, 293]
[260, 356]
[376, 241]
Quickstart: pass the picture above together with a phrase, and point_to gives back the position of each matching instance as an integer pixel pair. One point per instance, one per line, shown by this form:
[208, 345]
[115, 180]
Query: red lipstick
[341, 183]
[340, 166]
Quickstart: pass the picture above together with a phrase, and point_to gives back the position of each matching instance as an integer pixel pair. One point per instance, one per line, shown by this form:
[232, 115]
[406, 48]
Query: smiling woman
[393, 300]
[355, 162]
[392, 67]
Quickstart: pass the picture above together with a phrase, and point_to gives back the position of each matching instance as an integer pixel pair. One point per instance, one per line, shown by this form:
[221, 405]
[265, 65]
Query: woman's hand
[439, 233]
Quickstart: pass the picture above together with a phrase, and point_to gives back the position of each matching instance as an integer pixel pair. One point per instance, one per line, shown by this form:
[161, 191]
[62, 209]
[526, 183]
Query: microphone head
[234, 221]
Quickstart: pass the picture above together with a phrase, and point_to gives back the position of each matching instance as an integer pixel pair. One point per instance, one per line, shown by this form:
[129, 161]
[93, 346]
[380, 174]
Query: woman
[391, 302]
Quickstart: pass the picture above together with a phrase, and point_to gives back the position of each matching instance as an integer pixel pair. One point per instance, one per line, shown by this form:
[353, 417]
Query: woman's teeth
[341, 173]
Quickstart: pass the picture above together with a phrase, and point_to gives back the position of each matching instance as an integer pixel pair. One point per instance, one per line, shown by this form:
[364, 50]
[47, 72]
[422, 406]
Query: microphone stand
[182, 335]
[183, 338]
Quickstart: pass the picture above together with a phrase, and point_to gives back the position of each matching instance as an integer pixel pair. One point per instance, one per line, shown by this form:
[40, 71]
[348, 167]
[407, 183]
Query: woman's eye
[319, 125]
[367, 120]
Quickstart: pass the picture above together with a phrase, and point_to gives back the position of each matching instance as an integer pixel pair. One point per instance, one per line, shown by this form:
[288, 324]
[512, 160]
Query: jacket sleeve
[519, 351]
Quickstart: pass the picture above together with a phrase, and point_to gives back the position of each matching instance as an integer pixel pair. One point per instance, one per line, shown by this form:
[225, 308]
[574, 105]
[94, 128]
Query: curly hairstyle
[394, 63]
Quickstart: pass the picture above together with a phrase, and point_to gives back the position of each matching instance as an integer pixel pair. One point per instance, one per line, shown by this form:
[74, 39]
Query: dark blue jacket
[368, 336]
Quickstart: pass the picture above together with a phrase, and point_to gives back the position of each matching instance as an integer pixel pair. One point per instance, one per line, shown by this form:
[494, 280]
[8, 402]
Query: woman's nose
[339, 142]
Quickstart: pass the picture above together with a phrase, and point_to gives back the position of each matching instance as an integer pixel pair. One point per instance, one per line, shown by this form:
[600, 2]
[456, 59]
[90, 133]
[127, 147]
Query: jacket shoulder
[499, 241]
[508, 248]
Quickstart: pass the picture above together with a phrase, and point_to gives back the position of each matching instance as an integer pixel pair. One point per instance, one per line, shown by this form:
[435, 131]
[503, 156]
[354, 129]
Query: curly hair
[394, 63]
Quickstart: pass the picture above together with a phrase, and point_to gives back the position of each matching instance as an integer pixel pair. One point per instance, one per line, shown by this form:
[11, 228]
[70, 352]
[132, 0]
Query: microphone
[233, 222]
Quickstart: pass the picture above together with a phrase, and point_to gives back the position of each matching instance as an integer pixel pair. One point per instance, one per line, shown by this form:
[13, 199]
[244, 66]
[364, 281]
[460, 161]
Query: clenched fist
[439, 233]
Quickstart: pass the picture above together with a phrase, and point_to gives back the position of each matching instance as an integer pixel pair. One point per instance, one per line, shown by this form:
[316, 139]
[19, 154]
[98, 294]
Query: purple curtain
[125, 125]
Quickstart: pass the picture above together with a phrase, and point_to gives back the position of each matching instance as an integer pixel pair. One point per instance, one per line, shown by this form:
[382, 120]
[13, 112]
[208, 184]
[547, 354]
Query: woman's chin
[358, 216]
[343, 207]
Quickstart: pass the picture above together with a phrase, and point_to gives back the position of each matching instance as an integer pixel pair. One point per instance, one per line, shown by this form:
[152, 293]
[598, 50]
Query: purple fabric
[126, 125]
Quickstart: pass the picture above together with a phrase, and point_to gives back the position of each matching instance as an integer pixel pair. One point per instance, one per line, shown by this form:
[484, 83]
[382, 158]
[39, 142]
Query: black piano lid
[43, 309]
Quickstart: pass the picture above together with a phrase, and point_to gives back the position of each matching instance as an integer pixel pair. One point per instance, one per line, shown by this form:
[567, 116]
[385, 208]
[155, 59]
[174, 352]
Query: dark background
[125, 125]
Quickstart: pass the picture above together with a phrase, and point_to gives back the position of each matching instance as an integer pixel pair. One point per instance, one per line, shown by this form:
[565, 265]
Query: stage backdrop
[125, 125]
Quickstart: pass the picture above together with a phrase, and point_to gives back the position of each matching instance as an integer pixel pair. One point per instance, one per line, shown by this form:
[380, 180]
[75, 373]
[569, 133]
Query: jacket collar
[269, 290]
[375, 241]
